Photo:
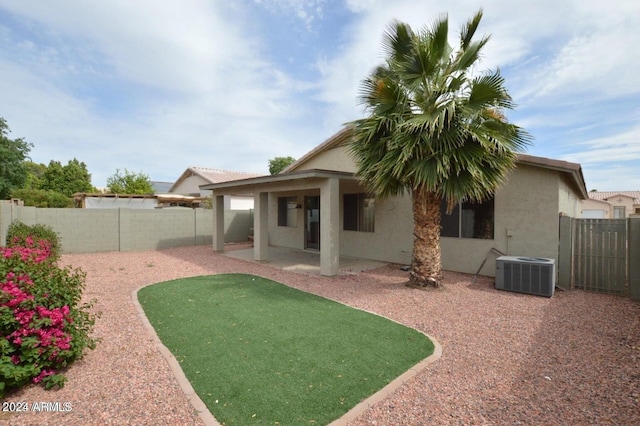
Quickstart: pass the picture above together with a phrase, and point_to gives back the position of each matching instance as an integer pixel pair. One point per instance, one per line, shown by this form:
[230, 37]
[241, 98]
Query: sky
[157, 86]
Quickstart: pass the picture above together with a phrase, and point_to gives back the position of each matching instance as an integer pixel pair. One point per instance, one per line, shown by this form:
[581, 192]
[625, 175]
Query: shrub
[42, 198]
[34, 237]
[43, 325]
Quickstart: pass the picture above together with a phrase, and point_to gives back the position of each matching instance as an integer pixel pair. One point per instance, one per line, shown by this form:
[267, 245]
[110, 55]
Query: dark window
[359, 212]
[468, 220]
[287, 211]
[282, 211]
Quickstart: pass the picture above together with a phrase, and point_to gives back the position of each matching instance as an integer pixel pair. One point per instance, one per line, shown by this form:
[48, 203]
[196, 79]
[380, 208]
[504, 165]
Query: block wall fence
[124, 229]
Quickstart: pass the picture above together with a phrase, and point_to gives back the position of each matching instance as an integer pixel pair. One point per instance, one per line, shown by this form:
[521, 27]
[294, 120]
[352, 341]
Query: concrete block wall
[237, 224]
[204, 227]
[123, 229]
[83, 230]
[156, 229]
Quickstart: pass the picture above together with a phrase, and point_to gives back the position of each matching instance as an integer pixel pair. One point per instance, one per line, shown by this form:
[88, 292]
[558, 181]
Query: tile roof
[212, 175]
[604, 195]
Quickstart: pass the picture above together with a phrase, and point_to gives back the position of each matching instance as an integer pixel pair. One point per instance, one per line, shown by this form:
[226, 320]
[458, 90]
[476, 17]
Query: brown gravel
[507, 358]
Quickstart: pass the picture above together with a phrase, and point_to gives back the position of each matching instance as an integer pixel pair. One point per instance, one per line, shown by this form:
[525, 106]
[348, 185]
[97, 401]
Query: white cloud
[619, 147]
[162, 86]
[307, 11]
[189, 82]
[594, 47]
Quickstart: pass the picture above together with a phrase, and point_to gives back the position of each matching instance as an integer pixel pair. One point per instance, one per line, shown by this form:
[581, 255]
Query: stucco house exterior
[611, 204]
[193, 178]
[317, 203]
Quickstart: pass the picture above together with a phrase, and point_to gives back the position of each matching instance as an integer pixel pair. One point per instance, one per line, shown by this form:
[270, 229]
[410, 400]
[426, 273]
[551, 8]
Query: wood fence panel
[634, 258]
[600, 254]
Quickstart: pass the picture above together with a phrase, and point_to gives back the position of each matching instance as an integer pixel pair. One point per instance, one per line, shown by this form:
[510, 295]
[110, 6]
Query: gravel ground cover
[507, 358]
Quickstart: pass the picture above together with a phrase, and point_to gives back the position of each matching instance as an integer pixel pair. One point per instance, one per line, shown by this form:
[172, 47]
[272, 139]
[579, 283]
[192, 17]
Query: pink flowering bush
[43, 325]
[42, 238]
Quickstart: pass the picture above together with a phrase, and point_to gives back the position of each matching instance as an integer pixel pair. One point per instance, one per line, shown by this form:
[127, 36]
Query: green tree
[77, 177]
[35, 173]
[13, 153]
[129, 183]
[278, 164]
[53, 179]
[69, 179]
[434, 129]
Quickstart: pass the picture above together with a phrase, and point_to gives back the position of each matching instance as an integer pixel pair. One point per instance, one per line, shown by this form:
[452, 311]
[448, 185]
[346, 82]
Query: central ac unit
[531, 275]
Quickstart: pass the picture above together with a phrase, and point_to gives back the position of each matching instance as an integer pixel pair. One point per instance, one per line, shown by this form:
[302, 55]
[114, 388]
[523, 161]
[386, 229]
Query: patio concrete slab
[305, 261]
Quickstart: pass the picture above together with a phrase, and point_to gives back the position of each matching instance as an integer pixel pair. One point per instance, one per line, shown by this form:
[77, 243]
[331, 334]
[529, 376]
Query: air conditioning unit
[531, 275]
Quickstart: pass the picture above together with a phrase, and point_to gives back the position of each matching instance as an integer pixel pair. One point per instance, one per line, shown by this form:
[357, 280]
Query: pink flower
[44, 373]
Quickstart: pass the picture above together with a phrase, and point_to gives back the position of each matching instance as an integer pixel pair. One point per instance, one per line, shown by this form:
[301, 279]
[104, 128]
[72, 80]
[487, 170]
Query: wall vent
[531, 275]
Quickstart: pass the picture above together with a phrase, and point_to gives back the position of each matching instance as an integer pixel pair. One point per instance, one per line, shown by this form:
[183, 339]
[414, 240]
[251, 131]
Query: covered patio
[325, 186]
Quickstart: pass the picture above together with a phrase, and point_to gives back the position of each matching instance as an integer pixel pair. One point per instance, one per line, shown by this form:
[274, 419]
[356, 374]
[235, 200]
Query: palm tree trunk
[426, 269]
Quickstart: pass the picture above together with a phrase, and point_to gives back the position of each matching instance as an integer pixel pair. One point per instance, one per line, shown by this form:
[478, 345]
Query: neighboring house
[317, 203]
[193, 178]
[134, 201]
[611, 204]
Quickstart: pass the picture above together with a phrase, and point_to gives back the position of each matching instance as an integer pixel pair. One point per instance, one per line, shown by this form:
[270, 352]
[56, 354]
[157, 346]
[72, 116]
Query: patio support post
[261, 226]
[329, 227]
[218, 223]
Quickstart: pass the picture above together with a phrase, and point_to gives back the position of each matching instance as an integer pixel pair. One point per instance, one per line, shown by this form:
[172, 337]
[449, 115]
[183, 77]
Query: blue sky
[159, 86]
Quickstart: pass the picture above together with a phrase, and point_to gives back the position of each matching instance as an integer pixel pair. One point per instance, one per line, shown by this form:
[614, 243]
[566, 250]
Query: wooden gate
[600, 255]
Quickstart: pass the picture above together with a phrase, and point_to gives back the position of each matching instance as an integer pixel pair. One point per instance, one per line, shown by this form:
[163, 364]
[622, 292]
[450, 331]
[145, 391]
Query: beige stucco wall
[191, 185]
[621, 201]
[526, 223]
[608, 205]
[336, 159]
[569, 203]
[391, 241]
[527, 209]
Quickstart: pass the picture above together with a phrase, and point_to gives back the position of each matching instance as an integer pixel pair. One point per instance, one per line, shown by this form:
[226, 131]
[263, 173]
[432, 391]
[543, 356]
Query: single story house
[317, 203]
[190, 182]
[611, 204]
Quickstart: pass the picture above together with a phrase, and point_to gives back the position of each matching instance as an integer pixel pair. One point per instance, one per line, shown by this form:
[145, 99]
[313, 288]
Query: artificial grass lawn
[259, 352]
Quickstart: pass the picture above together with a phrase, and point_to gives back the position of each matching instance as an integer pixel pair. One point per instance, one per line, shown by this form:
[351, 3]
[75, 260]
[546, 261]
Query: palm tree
[434, 129]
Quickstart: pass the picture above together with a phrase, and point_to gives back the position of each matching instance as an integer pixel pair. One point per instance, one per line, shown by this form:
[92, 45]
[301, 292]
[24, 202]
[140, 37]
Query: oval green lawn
[259, 352]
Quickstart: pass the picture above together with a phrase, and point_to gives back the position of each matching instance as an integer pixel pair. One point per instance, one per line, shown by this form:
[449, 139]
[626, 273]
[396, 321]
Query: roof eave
[280, 177]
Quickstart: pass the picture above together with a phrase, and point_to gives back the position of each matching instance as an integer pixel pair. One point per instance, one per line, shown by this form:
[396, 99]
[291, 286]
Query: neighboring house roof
[573, 170]
[160, 187]
[212, 175]
[605, 195]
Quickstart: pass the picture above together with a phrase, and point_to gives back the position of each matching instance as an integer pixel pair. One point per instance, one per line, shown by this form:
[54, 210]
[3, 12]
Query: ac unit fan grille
[527, 278]
[526, 275]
